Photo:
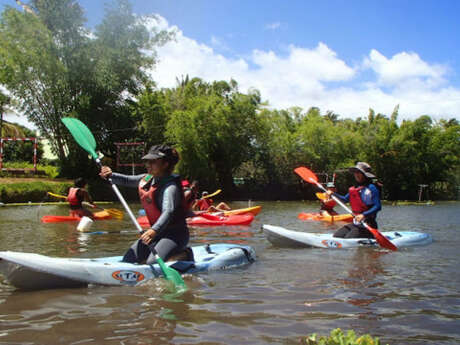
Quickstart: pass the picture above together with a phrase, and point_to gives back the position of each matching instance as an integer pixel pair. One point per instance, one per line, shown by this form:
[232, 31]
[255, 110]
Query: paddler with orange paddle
[364, 198]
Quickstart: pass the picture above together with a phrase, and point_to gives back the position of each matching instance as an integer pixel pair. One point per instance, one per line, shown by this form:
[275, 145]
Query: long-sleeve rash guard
[171, 200]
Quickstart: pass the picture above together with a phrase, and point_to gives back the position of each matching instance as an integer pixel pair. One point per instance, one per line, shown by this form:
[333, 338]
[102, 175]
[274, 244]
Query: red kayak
[237, 219]
[58, 219]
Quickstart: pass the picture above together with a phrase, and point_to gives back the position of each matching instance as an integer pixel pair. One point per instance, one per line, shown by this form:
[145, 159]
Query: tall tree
[56, 67]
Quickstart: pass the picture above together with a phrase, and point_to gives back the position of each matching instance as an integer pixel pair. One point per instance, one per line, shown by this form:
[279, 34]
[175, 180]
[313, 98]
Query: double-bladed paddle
[212, 194]
[310, 177]
[85, 139]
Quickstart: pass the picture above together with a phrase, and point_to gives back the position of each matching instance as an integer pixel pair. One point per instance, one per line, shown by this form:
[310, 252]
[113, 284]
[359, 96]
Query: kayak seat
[185, 255]
[246, 253]
[208, 249]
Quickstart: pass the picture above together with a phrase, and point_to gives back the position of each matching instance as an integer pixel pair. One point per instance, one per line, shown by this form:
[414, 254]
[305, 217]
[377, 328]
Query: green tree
[213, 125]
[57, 68]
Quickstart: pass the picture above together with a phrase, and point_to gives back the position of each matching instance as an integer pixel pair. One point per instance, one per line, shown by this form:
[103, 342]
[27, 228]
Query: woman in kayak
[364, 200]
[162, 198]
[76, 196]
[328, 204]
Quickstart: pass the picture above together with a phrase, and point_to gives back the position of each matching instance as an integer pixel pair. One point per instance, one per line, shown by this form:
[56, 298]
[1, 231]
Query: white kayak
[34, 271]
[288, 238]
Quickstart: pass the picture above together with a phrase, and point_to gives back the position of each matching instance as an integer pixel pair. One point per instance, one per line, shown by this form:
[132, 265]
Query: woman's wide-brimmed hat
[363, 168]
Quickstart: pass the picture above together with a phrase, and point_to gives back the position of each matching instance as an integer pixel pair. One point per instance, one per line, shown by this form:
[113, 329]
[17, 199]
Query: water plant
[338, 337]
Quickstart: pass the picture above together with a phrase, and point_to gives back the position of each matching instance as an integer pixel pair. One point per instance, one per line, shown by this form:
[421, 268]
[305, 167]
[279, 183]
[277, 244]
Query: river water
[407, 297]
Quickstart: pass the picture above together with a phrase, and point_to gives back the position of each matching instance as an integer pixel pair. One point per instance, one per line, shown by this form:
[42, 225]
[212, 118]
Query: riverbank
[35, 189]
[25, 189]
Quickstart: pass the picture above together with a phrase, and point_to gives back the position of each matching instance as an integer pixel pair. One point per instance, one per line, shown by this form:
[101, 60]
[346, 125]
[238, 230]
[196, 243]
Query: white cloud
[316, 76]
[273, 26]
[404, 67]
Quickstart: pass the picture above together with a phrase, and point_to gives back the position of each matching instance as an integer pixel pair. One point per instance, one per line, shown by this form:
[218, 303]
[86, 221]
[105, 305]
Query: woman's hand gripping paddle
[85, 139]
[117, 214]
[309, 176]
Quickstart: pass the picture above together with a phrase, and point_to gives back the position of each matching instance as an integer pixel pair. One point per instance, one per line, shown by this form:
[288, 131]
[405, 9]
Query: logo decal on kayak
[128, 276]
[331, 244]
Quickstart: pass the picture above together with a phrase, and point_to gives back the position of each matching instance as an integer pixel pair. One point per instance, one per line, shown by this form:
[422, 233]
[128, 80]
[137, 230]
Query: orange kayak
[316, 216]
[58, 219]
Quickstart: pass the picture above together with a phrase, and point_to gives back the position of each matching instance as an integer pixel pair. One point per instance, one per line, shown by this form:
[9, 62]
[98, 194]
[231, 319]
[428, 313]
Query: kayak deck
[34, 271]
[282, 237]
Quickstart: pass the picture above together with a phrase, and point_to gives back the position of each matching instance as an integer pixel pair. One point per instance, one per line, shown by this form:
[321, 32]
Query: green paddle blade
[81, 134]
[170, 273]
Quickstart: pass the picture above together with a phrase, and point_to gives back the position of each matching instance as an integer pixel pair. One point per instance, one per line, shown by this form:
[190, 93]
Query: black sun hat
[363, 168]
[159, 151]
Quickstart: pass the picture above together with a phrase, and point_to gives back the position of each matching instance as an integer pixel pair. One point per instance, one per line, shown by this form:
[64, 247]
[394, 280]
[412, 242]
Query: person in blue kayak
[77, 194]
[162, 198]
[364, 198]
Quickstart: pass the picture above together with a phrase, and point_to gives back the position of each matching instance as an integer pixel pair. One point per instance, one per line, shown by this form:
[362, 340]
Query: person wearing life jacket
[162, 197]
[328, 204]
[364, 200]
[76, 196]
[190, 195]
[203, 204]
[206, 204]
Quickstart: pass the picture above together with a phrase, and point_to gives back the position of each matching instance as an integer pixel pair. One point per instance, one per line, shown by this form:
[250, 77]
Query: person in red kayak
[76, 196]
[328, 204]
[206, 204]
[162, 197]
[364, 198]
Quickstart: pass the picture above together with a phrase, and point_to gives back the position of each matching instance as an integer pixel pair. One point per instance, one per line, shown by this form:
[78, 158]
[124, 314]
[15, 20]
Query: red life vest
[328, 204]
[357, 204]
[204, 204]
[73, 198]
[148, 199]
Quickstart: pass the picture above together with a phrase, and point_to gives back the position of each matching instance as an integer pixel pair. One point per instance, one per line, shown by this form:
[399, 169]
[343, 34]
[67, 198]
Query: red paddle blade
[382, 240]
[306, 174]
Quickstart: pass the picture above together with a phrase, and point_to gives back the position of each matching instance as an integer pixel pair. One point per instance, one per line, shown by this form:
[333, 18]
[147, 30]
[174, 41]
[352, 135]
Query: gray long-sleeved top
[168, 198]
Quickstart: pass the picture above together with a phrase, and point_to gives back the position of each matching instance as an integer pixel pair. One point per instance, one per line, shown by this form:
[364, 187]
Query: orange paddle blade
[382, 240]
[306, 174]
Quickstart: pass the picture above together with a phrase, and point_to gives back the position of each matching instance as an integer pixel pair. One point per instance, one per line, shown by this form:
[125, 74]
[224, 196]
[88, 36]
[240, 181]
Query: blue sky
[344, 56]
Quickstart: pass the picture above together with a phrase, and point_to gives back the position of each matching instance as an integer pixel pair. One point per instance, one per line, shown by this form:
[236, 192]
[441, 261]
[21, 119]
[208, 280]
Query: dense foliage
[54, 66]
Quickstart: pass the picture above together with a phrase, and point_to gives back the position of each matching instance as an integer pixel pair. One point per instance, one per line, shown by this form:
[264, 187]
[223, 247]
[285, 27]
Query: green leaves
[337, 337]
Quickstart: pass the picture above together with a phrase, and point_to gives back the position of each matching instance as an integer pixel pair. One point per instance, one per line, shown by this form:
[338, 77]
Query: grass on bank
[47, 171]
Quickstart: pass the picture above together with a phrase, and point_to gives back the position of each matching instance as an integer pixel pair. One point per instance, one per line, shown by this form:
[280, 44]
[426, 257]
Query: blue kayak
[35, 271]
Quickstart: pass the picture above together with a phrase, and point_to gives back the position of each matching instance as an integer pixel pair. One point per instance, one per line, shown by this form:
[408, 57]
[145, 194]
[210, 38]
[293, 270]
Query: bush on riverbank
[35, 191]
[337, 337]
[48, 171]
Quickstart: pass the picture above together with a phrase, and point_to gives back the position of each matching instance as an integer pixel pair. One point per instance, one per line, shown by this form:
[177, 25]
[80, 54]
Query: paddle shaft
[122, 200]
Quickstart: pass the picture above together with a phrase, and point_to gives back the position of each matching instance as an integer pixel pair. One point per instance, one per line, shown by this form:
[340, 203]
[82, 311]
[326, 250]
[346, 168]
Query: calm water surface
[407, 297]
